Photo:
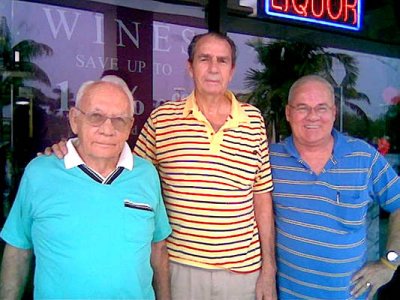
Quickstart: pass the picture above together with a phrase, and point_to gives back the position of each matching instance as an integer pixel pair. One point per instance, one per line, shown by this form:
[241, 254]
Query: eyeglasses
[97, 119]
[304, 109]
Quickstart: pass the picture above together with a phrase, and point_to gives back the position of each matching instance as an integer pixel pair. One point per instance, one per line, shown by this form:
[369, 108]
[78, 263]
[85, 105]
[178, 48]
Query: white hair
[113, 79]
[310, 78]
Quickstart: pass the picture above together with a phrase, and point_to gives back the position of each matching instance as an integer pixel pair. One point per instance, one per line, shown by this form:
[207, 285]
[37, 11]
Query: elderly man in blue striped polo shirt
[324, 183]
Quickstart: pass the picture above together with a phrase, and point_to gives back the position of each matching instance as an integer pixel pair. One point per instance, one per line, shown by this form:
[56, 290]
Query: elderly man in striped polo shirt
[324, 182]
[212, 155]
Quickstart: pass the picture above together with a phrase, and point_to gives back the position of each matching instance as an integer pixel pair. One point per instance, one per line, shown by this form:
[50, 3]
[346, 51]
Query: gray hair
[113, 79]
[221, 36]
[310, 78]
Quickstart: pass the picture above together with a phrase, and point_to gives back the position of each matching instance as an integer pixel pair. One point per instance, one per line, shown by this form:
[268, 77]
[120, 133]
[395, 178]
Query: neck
[316, 156]
[321, 147]
[215, 109]
[104, 168]
[211, 104]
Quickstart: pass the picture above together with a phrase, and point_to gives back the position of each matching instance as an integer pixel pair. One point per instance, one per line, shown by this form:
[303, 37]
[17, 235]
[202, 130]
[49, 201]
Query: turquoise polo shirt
[91, 236]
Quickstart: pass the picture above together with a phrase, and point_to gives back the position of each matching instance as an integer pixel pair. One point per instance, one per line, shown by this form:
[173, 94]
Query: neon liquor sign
[345, 14]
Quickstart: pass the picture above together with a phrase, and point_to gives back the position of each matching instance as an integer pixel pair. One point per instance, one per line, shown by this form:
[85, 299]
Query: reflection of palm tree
[283, 63]
[13, 74]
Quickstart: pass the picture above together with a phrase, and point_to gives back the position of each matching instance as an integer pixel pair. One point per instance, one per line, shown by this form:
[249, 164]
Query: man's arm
[160, 264]
[266, 286]
[377, 273]
[14, 272]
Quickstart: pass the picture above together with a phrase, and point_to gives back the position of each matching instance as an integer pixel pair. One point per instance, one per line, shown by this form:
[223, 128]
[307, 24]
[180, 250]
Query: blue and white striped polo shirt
[321, 219]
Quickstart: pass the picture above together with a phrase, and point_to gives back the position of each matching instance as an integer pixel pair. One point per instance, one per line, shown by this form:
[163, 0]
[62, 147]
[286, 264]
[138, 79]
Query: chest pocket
[351, 208]
[138, 223]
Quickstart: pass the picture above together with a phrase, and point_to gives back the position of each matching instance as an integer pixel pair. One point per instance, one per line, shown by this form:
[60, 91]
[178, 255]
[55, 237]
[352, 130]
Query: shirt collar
[237, 114]
[72, 158]
[340, 145]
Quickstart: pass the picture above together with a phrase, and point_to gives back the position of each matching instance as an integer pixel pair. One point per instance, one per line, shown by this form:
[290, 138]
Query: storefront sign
[344, 14]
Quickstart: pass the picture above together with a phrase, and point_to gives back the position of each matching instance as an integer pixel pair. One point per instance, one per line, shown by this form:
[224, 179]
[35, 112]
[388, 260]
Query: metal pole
[341, 109]
[12, 117]
[216, 15]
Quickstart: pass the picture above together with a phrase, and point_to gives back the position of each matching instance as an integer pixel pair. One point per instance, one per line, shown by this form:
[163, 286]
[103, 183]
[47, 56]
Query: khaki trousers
[191, 283]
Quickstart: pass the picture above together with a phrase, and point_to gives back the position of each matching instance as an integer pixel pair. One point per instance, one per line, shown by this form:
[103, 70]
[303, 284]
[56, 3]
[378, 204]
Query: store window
[48, 53]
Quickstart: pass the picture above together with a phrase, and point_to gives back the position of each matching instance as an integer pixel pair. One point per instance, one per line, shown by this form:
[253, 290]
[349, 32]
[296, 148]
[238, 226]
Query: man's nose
[107, 127]
[213, 66]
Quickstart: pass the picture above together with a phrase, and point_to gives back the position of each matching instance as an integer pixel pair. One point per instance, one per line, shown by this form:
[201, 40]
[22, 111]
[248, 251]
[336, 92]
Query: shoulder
[143, 164]
[356, 144]
[250, 109]
[277, 147]
[277, 150]
[41, 168]
[42, 162]
[170, 107]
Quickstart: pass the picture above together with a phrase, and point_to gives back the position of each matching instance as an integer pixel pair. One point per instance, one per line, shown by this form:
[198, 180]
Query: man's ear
[73, 122]
[232, 73]
[287, 112]
[189, 68]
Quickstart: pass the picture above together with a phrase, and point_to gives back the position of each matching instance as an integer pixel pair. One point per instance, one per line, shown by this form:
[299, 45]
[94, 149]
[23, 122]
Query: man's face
[311, 114]
[106, 141]
[212, 68]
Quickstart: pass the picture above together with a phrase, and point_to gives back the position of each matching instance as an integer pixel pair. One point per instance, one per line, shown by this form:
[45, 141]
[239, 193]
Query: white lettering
[122, 27]
[139, 107]
[83, 61]
[64, 95]
[139, 65]
[164, 69]
[80, 62]
[187, 35]
[160, 40]
[55, 30]
[99, 29]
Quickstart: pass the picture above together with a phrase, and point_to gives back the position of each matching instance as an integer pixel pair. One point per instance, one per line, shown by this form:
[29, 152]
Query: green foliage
[283, 63]
[14, 74]
[392, 122]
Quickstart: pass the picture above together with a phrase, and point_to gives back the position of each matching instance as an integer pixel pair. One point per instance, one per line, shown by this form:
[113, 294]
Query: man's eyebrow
[204, 55]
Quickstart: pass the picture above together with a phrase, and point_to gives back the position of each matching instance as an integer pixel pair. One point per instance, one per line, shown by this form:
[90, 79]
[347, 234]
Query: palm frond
[30, 49]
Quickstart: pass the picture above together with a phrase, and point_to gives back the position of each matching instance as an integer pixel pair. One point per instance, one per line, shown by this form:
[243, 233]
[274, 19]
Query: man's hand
[59, 149]
[266, 286]
[371, 277]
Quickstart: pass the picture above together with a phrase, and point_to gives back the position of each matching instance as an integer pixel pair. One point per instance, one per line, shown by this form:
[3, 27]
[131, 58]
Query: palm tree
[12, 73]
[16, 67]
[283, 63]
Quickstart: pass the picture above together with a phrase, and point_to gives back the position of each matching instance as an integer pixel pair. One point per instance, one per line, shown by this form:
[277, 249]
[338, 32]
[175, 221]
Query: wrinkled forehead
[104, 93]
[312, 91]
[207, 44]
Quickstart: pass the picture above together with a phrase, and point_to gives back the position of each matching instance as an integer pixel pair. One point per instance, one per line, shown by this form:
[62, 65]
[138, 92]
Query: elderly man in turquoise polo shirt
[95, 221]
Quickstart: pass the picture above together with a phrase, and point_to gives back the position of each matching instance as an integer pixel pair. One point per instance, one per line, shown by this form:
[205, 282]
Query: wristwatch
[392, 256]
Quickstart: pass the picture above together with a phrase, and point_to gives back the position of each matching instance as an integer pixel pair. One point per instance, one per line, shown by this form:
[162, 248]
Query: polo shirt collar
[237, 115]
[72, 158]
[340, 145]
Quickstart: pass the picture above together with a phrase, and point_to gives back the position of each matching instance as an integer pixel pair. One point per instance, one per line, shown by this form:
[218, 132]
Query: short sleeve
[263, 182]
[385, 184]
[162, 226]
[146, 143]
[17, 228]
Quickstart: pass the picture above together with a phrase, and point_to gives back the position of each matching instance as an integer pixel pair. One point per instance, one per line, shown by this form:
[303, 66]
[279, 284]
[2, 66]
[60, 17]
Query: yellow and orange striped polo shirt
[208, 180]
